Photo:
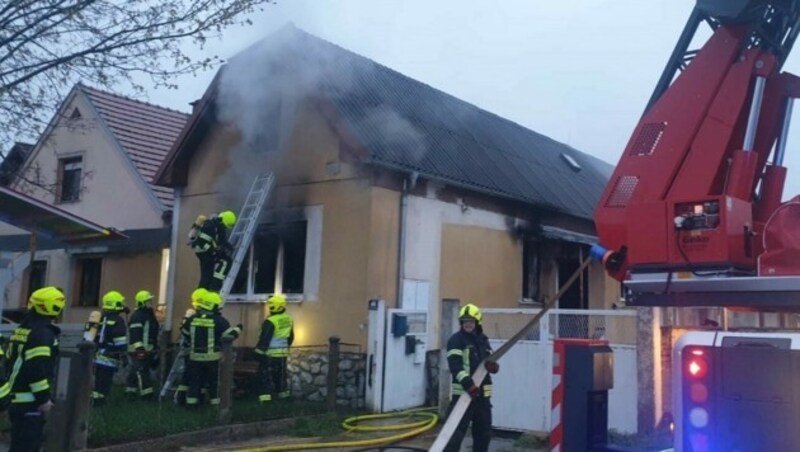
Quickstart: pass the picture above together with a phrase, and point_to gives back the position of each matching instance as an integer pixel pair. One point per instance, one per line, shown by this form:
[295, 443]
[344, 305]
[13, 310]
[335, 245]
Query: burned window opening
[275, 261]
[530, 271]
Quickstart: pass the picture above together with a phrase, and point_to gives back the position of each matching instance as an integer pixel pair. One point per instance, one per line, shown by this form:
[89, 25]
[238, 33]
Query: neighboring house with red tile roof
[97, 159]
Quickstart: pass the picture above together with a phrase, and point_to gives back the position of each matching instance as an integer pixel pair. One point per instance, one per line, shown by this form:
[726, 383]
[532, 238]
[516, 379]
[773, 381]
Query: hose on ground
[428, 418]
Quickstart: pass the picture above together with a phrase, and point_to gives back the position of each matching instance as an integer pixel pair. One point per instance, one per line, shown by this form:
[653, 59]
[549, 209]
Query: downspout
[171, 270]
[408, 184]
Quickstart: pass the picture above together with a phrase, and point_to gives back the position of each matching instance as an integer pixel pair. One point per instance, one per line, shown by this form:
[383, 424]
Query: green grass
[326, 425]
[123, 420]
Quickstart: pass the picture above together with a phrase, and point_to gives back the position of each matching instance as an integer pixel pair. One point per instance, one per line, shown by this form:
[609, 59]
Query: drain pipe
[173, 257]
[408, 184]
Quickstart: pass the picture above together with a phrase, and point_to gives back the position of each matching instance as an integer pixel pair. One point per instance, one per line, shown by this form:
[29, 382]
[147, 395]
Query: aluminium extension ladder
[240, 238]
[245, 227]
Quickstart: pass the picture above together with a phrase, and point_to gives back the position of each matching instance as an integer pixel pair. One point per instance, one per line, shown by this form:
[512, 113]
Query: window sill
[262, 298]
[530, 302]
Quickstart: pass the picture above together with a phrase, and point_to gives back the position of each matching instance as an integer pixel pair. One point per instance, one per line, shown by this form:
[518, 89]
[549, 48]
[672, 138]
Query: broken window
[88, 271]
[530, 271]
[569, 260]
[69, 174]
[37, 276]
[275, 262]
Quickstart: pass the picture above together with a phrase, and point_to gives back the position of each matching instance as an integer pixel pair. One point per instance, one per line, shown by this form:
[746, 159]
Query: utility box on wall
[399, 325]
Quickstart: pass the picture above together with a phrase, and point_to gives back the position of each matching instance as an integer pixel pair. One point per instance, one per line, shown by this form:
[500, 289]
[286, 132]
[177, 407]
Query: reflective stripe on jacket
[33, 352]
[211, 236]
[277, 335]
[112, 340]
[465, 351]
[143, 330]
[204, 332]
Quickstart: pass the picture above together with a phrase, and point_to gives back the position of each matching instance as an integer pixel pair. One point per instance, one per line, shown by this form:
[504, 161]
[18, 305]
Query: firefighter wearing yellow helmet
[143, 345]
[209, 241]
[112, 344]
[466, 350]
[272, 350]
[32, 354]
[183, 384]
[204, 332]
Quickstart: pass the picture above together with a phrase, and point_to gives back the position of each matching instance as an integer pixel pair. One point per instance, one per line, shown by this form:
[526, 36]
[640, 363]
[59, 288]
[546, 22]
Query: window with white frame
[284, 257]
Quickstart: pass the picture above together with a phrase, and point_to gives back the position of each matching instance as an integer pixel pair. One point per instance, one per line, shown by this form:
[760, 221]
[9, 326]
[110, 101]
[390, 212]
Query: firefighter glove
[492, 367]
[474, 391]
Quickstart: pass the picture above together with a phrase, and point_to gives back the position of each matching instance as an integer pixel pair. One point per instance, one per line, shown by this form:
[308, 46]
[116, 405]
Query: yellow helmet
[228, 218]
[213, 300]
[197, 298]
[276, 303]
[113, 301]
[142, 297]
[47, 301]
[470, 311]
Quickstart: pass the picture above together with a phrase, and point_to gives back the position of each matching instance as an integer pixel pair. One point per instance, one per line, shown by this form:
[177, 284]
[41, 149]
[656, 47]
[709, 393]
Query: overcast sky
[578, 71]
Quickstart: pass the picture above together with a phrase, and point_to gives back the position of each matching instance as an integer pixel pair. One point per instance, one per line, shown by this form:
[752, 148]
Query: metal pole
[755, 112]
[780, 148]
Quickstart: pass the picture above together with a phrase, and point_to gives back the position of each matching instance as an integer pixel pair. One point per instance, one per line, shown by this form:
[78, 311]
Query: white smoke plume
[260, 88]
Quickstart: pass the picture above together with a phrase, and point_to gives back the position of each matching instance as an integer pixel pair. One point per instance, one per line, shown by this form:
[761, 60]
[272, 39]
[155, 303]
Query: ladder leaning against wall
[240, 238]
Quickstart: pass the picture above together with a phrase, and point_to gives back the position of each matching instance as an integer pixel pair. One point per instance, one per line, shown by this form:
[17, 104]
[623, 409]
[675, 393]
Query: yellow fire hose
[410, 429]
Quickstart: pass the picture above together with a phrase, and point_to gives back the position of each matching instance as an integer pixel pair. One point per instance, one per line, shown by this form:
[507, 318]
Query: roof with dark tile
[407, 125]
[145, 132]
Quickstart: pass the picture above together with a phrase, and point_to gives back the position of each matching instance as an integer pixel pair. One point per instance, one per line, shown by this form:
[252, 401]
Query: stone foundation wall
[308, 376]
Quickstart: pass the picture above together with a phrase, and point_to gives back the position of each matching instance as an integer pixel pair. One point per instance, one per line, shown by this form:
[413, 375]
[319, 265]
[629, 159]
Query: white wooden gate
[522, 389]
[396, 348]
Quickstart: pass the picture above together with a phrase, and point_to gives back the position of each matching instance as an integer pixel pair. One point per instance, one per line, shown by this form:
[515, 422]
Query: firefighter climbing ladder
[240, 238]
[480, 373]
[245, 226]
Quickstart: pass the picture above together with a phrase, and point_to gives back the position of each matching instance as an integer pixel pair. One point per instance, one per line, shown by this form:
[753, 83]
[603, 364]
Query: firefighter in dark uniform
[210, 245]
[142, 345]
[205, 331]
[112, 344]
[183, 385]
[32, 354]
[466, 349]
[272, 350]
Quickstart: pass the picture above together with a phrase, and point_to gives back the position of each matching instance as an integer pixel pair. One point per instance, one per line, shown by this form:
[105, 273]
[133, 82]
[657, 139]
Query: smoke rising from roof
[260, 89]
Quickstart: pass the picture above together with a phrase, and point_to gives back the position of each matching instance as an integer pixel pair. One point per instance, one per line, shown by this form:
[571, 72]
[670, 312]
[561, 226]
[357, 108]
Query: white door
[397, 344]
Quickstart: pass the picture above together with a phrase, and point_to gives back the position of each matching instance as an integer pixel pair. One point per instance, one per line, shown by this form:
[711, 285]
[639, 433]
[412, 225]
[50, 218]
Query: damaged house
[96, 160]
[386, 188]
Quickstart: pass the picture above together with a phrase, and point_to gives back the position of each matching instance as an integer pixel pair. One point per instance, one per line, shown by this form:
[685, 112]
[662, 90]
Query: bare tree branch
[46, 46]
